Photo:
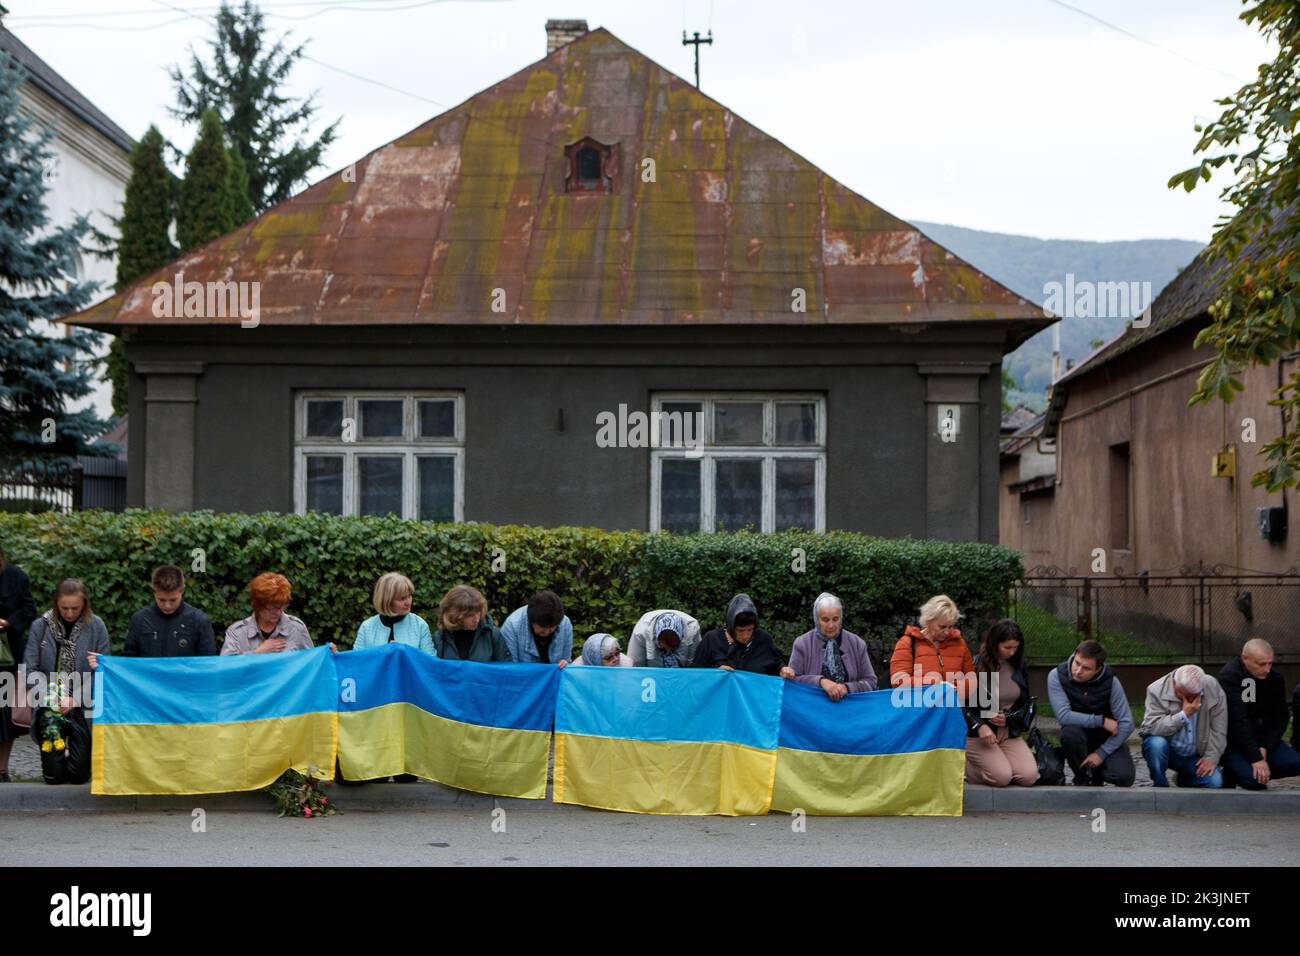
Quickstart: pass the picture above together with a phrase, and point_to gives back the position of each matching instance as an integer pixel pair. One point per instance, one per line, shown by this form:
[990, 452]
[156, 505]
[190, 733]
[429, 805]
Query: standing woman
[830, 657]
[17, 610]
[65, 643]
[996, 752]
[394, 621]
[463, 634]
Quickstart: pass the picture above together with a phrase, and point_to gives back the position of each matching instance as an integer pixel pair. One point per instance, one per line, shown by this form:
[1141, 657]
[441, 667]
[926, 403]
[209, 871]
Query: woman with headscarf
[664, 638]
[601, 649]
[742, 645]
[830, 657]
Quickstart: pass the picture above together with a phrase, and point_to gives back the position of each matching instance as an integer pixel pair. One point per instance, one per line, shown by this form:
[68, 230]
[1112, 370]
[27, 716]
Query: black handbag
[1051, 761]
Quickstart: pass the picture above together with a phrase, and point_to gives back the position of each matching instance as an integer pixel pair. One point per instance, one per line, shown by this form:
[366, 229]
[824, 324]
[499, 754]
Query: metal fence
[1200, 615]
[64, 485]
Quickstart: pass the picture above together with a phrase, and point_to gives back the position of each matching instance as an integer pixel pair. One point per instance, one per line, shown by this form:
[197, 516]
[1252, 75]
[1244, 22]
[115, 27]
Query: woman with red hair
[269, 630]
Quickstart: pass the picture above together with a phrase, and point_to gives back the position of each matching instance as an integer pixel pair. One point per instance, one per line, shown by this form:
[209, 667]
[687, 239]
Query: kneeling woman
[393, 596]
[66, 641]
[996, 752]
[464, 633]
[830, 657]
[602, 650]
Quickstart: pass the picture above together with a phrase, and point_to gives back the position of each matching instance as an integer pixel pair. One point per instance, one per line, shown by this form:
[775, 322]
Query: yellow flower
[59, 744]
[46, 747]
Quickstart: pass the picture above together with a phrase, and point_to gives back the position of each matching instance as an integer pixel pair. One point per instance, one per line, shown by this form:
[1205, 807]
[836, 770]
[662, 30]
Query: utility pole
[696, 43]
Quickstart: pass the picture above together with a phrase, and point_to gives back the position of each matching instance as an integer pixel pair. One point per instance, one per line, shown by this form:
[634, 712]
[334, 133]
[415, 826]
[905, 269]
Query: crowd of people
[1211, 732]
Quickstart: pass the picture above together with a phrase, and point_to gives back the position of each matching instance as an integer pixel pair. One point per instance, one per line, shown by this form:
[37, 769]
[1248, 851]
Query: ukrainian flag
[667, 741]
[883, 753]
[481, 727]
[212, 724]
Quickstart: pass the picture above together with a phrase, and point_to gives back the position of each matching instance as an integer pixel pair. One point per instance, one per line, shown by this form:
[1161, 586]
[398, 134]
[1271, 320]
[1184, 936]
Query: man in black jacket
[740, 646]
[1257, 717]
[169, 627]
[17, 611]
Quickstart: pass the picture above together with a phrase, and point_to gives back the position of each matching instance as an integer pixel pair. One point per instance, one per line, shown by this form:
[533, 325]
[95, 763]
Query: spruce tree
[243, 86]
[42, 371]
[144, 242]
[241, 208]
[206, 208]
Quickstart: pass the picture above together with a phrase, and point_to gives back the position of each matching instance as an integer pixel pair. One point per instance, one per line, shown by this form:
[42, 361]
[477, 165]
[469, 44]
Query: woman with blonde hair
[394, 621]
[463, 632]
[935, 652]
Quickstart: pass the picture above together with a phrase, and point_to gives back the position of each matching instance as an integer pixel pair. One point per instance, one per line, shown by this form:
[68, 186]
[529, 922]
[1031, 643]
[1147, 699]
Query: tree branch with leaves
[1255, 318]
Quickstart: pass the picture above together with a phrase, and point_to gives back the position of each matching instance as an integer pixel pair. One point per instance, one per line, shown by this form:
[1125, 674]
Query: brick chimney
[560, 32]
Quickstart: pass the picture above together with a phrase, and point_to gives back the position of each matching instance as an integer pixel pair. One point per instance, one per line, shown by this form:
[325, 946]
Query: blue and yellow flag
[882, 753]
[212, 724]
[666, 741]
[481, 727]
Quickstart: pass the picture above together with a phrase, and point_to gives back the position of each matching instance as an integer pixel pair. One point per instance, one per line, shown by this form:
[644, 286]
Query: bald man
[1257, 718]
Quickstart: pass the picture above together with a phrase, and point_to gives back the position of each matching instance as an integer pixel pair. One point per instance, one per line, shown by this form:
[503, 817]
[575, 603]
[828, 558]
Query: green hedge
[606, 578]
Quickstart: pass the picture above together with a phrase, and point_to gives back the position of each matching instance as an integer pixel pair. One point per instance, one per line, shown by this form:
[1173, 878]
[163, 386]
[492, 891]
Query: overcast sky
[1019, 116]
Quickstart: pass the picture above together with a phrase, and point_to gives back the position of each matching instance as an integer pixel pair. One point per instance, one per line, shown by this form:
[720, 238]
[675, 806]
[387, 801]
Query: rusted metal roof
[474, 201]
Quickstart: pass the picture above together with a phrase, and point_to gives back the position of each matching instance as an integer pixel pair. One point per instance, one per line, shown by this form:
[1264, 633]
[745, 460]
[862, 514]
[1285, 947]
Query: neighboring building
[592, 236]
[90, 165]
[1120, 462]
[1027, 486]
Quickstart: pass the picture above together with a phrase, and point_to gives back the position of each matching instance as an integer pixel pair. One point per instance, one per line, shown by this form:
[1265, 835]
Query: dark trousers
[72, 764]
[1078, 742]
[1282, 762]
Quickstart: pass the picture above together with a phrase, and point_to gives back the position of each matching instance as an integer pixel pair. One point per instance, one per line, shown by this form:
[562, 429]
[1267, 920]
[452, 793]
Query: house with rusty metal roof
[588, 295]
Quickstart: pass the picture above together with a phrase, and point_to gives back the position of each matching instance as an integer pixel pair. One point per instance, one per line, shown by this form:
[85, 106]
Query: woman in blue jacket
[394, 622]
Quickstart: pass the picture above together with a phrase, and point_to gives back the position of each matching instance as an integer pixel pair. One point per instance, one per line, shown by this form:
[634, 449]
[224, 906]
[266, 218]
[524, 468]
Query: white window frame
[408, 447]
[768, 453]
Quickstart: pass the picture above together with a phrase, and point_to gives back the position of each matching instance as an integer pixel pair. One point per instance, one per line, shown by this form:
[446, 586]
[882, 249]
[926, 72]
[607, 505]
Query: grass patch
[1049, 639]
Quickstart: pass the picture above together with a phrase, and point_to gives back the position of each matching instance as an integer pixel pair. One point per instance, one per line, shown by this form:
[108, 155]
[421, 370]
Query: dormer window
[591, 166]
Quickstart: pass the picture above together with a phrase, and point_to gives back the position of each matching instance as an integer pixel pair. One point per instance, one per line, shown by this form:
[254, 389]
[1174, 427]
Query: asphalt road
[589, 837]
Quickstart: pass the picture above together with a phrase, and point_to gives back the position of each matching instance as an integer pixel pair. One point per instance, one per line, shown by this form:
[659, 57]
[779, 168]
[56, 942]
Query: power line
[210, 8]
[388, 86]
[38, 21]
[1151, 43]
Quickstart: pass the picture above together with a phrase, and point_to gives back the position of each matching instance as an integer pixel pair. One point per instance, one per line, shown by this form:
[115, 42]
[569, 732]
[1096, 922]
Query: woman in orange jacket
[935, 652]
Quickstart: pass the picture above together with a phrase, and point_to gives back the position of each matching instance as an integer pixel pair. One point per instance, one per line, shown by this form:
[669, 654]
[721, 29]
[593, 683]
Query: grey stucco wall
[884, 475]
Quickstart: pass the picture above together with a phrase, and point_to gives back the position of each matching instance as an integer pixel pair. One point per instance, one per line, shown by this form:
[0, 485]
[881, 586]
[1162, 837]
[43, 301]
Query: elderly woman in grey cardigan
[830, 657]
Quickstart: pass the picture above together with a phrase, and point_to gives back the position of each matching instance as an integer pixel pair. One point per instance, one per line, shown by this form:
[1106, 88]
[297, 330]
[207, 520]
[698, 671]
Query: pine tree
[241, 207]
[144, 242]
[206, 208]
[42, 371]
[243, 86]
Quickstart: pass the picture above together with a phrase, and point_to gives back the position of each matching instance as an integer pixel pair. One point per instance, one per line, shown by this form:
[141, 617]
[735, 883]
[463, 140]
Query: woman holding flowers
[63, 650]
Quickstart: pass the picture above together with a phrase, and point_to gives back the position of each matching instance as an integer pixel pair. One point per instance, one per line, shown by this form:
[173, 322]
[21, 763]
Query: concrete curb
[425, 795]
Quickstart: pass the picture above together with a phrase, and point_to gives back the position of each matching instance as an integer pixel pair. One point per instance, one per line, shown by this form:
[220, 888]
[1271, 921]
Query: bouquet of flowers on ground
[297, 795]
[52, 739]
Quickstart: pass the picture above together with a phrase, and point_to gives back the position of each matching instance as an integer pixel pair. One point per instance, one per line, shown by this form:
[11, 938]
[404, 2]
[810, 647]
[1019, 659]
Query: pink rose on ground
[306, 811]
